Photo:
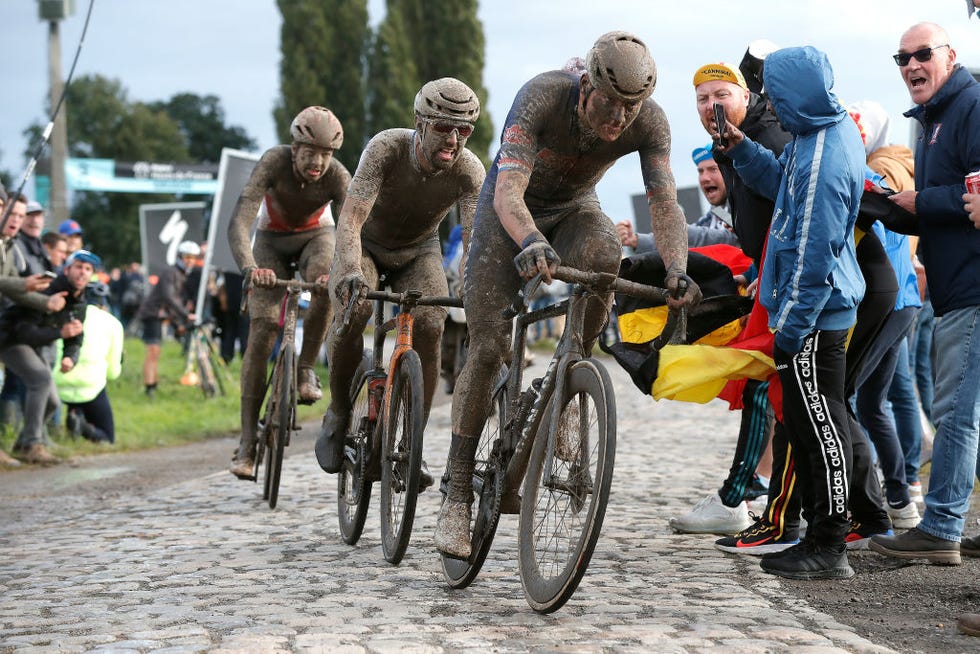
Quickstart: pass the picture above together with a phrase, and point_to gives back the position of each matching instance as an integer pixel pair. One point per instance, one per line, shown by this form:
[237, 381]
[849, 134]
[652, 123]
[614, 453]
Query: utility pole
[54, 11]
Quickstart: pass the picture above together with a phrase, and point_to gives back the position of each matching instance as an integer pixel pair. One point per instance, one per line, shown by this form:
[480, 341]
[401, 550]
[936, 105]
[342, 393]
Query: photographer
[24, 332]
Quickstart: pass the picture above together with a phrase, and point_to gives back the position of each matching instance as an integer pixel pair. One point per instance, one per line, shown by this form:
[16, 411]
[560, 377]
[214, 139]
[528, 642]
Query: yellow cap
[719, 71]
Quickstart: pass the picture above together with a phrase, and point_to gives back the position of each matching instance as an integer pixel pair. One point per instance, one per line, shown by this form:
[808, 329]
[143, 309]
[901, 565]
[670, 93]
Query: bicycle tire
[401, 457]
[282, 389]
[218, 368]
[560, 520]
[353, 486]
[486, 483]
[205, 371]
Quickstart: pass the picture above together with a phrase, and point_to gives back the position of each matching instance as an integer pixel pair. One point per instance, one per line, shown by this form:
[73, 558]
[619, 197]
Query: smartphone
[720, 122]
[49, 274]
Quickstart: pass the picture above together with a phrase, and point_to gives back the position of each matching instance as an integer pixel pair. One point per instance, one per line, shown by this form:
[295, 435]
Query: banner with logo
[163, 227]
[140, 176]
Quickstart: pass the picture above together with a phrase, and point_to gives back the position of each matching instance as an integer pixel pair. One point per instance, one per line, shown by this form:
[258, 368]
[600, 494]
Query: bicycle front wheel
[486, 485]
[353, 486]
[283, 385]
[401, 457]
[567, 486]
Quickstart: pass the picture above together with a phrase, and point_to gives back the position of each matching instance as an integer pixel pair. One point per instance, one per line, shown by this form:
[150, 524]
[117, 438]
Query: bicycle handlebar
[406, 300]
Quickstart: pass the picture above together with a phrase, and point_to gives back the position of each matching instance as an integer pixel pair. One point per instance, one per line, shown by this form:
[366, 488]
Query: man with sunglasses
[947, 100]
[405, 184]
[539, 206]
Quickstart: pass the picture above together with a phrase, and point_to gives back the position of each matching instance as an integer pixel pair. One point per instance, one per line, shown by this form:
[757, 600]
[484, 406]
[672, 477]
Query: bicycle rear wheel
[566, 488]
[487, 478]
[283, 386]
[401, 457]
[353, 486]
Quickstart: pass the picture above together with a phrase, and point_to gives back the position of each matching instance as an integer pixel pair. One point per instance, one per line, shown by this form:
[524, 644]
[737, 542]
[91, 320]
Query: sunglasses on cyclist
[464, 129]
[923, 55]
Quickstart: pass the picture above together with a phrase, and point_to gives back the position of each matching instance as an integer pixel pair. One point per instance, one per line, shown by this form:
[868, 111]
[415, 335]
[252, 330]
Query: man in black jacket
[24, 331]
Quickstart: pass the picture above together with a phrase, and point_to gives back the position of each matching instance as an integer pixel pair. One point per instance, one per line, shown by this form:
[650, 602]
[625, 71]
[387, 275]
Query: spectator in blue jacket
[811, 286]
[947, 100]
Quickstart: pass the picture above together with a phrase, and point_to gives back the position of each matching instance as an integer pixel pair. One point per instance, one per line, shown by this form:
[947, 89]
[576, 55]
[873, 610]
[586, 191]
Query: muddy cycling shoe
[243, 468]
[330, 443]
[452, 536]
[425, 478]
[309, 386]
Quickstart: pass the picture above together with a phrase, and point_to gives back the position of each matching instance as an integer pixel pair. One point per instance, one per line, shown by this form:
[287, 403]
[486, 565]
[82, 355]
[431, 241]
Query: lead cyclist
[538, 207]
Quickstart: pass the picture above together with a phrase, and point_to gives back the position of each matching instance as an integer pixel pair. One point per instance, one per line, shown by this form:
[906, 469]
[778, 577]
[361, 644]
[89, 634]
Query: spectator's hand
[350, 285]
[684, 291]
[537, 257]
[264, 278]
[67, 365]
[971, 204]
[753, 288]
[191, 318]
[71, 328]
[732, 134]
[321, 284]
[905, 199]
[920, 276]
[56, 302]
[36, 283]
[627, 237]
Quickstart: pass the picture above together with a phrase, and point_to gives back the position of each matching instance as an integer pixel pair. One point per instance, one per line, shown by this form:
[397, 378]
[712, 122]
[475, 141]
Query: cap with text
[701, 154]
[720, 71]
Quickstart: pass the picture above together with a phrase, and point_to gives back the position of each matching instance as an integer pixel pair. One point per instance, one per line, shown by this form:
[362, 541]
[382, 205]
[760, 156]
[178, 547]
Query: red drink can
[973, 182]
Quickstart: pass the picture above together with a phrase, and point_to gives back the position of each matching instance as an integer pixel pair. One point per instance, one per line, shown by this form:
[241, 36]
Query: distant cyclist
[288, 195]
[538, 207]
[406, 182]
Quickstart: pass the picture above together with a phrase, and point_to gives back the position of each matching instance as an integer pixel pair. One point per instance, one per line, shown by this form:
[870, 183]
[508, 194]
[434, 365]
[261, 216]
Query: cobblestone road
[203, 565]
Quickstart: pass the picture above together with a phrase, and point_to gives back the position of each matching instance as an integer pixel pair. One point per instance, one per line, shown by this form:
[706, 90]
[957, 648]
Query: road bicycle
[384, 436]
[278, 420]
[547, 451]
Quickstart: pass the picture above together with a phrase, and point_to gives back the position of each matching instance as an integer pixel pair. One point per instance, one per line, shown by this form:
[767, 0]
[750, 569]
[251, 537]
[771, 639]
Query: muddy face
[310, 161]
[609, 117]
[438, 144]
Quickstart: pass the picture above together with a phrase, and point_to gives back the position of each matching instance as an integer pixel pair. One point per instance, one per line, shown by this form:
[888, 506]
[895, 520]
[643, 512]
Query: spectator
[73, 232]
[712, 228]
[165, 302]
[134, 291]
[55, 248]
[24, 330]
[947, 100]
[233, 323]
[811, 285]
[83, 389]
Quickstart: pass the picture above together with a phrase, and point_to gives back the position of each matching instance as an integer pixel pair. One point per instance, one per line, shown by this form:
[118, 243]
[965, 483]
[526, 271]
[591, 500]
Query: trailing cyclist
[538, 206]
[288, 194]
[405, 183]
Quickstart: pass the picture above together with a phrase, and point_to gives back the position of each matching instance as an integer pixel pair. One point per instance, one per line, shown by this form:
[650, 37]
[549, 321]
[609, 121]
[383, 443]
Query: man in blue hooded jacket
[811, 286]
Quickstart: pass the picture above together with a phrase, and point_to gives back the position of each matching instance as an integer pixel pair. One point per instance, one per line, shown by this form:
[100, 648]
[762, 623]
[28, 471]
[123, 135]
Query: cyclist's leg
[490, 283]
[264, 306]
[315, 254]
[585, 238]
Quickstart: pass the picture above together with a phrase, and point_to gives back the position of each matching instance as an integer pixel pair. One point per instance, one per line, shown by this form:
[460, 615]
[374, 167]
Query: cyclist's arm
[475, 174]
[247, 208]
[668, 225]
[353, 215]
[508, 202]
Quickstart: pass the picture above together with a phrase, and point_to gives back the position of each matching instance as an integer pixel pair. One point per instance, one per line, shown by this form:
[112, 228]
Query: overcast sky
[230, 48]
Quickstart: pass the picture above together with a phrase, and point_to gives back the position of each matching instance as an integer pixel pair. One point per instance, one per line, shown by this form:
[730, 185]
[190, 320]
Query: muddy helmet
[447, 99]
[620, 66]
[317, 126]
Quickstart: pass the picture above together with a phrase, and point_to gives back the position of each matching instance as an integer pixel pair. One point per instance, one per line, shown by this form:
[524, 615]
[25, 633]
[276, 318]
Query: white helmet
[188, 249]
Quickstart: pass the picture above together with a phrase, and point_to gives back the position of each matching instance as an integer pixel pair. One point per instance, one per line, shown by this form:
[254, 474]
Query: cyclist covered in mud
[288, 194]
[406, 182]
[538, 207]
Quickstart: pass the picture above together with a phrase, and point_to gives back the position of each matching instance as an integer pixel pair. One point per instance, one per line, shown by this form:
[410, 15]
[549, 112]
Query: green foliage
[323, 44]
[394, 78]
[176, 414]
[104, 123]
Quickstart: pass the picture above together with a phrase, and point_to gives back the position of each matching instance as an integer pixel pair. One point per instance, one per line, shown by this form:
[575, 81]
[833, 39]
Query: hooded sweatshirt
[810, 275]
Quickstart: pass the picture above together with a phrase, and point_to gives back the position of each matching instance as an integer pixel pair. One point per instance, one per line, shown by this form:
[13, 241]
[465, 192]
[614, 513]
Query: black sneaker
[915, 544]
[756, 489]
[808, 560]
[762, 537]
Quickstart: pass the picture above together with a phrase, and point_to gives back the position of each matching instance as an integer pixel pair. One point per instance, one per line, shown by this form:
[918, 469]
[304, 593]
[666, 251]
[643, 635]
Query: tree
[394, 77]
[440, 38]
[323, 44]
[104, 123]
[201, 120]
